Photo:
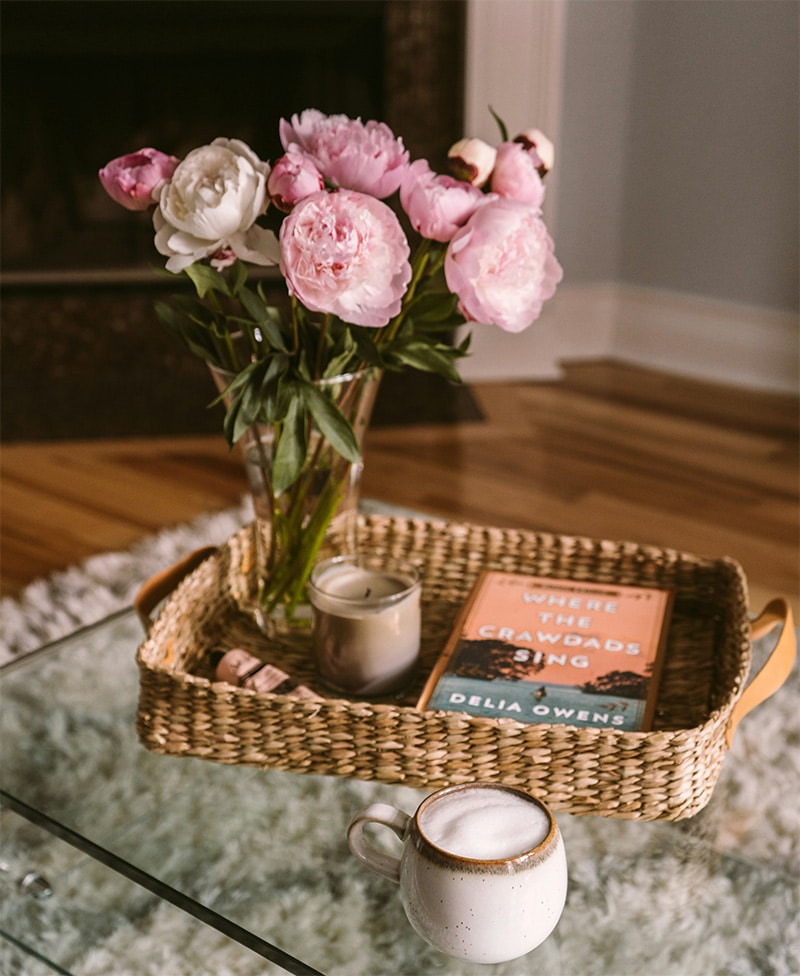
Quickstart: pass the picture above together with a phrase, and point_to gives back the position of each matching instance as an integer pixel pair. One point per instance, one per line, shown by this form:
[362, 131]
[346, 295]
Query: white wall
[673, 203]
[514, 65]
[712, 170]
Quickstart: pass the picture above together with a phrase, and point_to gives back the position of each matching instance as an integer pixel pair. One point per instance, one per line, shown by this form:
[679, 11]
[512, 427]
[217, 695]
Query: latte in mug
[485, 825]
[483, 872]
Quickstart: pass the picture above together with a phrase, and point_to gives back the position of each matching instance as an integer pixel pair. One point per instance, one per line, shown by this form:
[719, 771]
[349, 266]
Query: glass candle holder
[367, 622]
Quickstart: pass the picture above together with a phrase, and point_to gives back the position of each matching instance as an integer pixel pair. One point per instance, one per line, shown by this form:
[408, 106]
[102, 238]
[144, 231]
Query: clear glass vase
[315, 518]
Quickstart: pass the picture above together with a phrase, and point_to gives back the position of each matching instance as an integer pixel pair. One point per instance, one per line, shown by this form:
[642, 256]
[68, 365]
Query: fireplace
[82, 82]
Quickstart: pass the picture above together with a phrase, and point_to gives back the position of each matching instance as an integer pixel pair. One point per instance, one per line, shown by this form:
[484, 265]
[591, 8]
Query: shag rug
[754, 815]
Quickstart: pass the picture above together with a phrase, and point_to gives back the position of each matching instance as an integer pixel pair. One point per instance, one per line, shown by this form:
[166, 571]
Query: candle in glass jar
[366, 623]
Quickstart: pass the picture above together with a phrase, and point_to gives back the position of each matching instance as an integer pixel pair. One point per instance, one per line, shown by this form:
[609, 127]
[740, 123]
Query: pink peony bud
[135, 180]
[516, 174]
[471, 160]
[501, 265]
[537, 143]
[293, 178]
[345, 253]
[437, 205]
[348, 152]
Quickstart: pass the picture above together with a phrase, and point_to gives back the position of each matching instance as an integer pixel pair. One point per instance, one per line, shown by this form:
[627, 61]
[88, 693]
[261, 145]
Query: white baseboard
[708, 339]
[702, 338]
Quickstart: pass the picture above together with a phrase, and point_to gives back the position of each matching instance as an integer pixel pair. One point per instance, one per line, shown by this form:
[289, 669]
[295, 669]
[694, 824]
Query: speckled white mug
[483, 871]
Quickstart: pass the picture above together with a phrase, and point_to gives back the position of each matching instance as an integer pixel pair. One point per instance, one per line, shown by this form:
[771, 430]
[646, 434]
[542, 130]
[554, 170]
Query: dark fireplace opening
[83, 82]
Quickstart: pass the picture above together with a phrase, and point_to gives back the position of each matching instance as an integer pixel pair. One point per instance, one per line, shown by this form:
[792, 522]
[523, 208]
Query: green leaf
[253, 305]
[265, 316]
[170, 318]
[238, 277]
[345, 361]
[244, 401]
[194, 334]
[239, 380]
[365, 345]
[206, 279]
[270, 397]
[501, 124]
[250, 409]
[428, 331]
[191, 306]
[430, 359]
[291, 447]
[332, 423]
[434, 307]
[229, 424]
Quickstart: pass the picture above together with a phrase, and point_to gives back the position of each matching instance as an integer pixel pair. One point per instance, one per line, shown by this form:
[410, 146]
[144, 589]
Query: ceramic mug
[482, 873]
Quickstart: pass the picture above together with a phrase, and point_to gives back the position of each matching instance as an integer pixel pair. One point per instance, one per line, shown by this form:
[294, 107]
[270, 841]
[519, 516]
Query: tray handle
[158, 587]
[775, 669]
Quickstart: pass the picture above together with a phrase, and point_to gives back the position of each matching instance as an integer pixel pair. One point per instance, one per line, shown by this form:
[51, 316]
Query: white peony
[210, 206]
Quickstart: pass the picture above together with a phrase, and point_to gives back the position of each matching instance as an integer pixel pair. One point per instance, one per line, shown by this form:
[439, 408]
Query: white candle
[366, 623]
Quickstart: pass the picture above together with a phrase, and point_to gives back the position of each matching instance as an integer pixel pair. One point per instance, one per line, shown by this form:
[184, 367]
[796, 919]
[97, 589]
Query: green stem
[295, 328]
[301, 518]
[226, 350]
[288, 581]
[417, 271]
[255, 345]
[233, 355]
[323, 334]
[266, 480]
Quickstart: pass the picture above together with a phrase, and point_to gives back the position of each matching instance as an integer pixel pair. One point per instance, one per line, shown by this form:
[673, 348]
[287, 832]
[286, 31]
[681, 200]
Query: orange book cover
[554, 651]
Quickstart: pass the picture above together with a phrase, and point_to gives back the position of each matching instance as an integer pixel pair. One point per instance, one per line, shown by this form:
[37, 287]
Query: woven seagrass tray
[667, 773]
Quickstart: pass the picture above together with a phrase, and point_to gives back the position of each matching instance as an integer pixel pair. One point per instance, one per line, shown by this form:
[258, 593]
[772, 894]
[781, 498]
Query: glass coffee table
[116, 860]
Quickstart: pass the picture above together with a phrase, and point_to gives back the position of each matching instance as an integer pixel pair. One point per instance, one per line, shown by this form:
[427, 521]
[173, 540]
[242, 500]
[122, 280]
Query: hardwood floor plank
[609, 451]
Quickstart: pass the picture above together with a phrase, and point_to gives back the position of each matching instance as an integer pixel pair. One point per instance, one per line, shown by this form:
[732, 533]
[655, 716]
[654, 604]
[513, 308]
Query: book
[537, 649]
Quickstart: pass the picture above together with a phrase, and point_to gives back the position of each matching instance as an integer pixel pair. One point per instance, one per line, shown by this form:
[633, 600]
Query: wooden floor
[610, 451]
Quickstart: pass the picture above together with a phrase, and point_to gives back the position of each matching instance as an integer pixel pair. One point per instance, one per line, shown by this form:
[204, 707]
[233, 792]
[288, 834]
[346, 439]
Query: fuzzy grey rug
[754, 816]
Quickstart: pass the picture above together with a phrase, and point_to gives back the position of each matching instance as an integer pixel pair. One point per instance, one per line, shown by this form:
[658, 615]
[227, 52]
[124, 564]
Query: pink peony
[535, 141]
[345, 253]
[293, 178]
[437, 205]
[348, 152]
[135, 180]
[471, 160]
[501, 265]
[516, 174]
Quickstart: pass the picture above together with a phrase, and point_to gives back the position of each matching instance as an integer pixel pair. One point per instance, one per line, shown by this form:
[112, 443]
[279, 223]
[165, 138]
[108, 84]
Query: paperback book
[547, 650]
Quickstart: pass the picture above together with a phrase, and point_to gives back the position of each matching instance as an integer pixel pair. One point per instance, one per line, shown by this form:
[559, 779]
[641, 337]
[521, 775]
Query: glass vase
[315, 518]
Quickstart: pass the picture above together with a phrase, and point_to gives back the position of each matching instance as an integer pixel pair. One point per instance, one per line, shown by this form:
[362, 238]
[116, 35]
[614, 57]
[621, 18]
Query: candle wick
[366, 595]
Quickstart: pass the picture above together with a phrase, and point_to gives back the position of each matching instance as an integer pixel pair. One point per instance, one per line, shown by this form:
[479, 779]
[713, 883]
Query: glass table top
[178, 866]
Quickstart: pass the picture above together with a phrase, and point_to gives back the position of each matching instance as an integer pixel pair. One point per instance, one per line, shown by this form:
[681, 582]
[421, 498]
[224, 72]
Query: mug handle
[364, 850]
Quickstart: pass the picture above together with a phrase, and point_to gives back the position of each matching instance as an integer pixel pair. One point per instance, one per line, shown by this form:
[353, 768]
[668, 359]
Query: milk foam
[484, 824]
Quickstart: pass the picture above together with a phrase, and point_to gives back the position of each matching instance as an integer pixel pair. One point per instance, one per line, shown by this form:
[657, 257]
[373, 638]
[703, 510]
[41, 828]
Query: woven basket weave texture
[667, 773]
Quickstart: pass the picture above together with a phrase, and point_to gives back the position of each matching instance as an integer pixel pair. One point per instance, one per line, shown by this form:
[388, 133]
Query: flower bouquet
[298, 377]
